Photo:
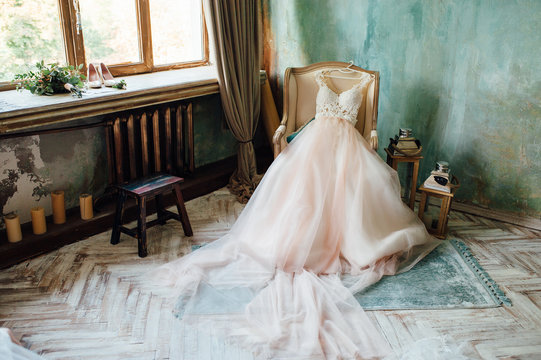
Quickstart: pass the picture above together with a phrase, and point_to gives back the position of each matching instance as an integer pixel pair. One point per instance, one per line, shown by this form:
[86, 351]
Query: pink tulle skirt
[328, 206]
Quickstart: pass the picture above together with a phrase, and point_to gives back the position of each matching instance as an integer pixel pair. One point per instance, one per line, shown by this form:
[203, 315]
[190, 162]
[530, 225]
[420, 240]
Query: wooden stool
[446, 200]
[394, 160]
[142, 190]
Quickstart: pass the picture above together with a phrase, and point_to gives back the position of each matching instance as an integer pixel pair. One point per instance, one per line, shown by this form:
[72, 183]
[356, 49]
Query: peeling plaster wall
[463, 74]
[76, 161]
[33, 166]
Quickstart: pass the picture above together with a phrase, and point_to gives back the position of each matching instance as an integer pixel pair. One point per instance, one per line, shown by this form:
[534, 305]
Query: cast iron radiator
[144, 141]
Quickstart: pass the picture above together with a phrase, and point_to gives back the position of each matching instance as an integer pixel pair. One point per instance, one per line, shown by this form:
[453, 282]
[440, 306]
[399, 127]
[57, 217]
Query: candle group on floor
[37, 214]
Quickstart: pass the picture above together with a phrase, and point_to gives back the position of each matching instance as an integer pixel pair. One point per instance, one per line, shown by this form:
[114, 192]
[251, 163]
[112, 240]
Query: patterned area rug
[448, 278]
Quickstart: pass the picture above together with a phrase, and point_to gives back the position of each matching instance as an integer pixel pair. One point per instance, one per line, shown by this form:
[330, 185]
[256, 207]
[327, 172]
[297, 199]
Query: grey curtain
[234, 28]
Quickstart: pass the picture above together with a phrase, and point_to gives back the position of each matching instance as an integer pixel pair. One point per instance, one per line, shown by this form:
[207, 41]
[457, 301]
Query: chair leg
[115, 236]
[142, 227]
[160, 209]
[182, 211]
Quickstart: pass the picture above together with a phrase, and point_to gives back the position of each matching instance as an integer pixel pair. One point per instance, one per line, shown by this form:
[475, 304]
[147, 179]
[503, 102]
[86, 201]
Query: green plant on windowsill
[121, 85]
[52, 79]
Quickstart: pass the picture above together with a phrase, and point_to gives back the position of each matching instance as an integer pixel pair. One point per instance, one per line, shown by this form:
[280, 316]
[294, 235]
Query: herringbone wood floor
[85, 301]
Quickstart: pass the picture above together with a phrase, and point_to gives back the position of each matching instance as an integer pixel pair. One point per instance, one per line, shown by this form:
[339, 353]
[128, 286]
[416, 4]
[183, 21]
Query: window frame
[75, 52]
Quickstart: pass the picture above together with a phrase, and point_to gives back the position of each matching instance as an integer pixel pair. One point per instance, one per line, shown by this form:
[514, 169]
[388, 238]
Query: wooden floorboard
[87, 300]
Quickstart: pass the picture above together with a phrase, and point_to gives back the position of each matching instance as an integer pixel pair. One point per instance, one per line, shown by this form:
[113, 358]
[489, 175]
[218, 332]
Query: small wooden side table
[446, 200]
[394, 160]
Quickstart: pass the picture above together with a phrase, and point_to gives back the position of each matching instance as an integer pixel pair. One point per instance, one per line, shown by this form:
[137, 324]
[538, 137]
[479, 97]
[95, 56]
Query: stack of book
[405, 144]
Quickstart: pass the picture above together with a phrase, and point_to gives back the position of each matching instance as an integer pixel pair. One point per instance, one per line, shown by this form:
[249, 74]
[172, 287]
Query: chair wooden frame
[298, 80]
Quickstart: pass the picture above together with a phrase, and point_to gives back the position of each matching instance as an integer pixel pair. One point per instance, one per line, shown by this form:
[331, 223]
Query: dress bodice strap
[321, 78]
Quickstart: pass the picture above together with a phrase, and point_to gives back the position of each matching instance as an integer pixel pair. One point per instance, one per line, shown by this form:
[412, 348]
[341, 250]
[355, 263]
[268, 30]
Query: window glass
[176, 31]
[30, 31]
[110, 31]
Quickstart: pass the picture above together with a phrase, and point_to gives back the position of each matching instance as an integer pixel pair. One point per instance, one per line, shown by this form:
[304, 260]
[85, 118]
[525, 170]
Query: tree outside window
[129, 36]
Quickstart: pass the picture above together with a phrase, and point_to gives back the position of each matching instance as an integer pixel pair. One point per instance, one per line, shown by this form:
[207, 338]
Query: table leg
[444, 211]
[394, 164]
[414, 184]
[422, 205]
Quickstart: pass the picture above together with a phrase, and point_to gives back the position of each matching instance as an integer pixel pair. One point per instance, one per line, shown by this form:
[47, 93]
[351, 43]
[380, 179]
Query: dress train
[327, 206]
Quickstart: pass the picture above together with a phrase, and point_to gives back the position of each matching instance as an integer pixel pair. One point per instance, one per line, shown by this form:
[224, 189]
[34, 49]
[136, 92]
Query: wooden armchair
[300, 91]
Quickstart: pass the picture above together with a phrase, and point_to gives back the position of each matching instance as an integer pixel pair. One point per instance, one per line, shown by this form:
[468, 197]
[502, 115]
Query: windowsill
[23, 110]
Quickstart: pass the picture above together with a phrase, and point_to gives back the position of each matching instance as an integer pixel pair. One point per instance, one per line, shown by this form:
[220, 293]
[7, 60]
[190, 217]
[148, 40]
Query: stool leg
[182, 211]
[142, 227]
[159, 209]
[115, 236]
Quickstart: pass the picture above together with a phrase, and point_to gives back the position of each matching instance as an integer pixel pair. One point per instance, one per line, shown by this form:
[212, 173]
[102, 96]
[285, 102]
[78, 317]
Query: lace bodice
[344, 105]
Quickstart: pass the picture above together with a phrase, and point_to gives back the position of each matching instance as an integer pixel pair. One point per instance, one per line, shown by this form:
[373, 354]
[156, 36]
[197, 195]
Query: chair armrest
[278, 134]
[374, 139]
[277, 139]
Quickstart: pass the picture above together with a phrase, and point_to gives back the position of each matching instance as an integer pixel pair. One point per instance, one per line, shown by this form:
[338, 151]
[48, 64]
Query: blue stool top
[151, 183]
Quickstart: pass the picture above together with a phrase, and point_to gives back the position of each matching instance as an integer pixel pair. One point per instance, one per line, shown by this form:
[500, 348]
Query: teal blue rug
[450, 277]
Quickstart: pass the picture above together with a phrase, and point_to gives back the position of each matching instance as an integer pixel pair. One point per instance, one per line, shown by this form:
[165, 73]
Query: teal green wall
[76, 161]
[213, 140]
[465, 75]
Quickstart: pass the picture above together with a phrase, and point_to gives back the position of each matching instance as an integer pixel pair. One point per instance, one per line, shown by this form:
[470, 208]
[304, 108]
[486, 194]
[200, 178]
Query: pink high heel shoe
[93, 79]
[106, 76]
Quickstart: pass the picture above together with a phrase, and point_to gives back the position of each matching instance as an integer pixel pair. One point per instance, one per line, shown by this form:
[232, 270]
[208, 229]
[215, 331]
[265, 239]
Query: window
[29, 32]
[129, 36]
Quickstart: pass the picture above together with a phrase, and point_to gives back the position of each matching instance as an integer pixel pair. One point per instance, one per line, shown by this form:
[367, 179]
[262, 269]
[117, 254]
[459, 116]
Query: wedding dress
[11, 349]
[325, 222]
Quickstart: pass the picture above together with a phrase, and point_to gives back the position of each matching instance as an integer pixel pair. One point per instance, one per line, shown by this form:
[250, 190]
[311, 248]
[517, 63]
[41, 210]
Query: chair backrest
[300, 91]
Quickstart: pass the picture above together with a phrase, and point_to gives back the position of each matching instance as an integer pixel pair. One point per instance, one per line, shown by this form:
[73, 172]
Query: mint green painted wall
[465, 75]
[212, 138]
